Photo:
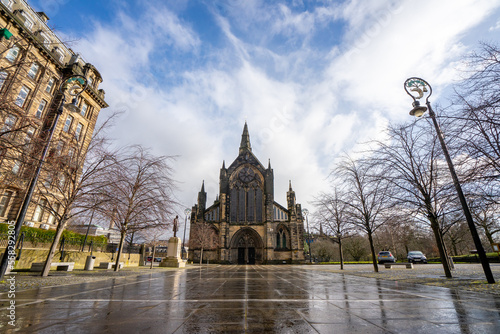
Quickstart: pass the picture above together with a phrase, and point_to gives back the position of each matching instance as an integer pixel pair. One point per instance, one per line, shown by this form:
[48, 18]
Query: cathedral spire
[245, 140]
[202, 201]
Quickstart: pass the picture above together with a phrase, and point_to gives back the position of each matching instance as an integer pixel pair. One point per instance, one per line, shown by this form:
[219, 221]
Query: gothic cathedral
[245, 225]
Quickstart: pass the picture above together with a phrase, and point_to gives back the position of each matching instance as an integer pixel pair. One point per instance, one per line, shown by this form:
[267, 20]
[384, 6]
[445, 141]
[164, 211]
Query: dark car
[385, 256]
[416, 256]
[157, 259]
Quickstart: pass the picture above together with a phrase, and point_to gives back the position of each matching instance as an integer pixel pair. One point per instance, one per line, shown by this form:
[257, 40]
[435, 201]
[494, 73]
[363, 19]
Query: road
[250, 299]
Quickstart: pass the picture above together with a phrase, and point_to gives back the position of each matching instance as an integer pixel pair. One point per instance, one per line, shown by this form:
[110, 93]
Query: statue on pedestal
[176, 225]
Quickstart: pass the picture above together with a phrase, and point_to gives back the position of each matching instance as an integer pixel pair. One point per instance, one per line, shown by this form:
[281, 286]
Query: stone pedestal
[173, 258]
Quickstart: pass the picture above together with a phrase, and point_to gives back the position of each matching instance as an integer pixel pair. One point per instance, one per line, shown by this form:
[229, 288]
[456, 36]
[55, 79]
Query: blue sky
[311, 78]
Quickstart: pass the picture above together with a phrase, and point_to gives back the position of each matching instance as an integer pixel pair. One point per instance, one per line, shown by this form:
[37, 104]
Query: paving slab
[250, 299]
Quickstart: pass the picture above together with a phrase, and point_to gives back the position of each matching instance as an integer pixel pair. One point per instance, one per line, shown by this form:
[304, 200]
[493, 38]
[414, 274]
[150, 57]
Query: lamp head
[417, 110]
[74, 85]
[73, 105]
[418, 88]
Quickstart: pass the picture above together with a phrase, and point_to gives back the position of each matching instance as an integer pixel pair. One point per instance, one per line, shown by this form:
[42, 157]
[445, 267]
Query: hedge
[38, 235]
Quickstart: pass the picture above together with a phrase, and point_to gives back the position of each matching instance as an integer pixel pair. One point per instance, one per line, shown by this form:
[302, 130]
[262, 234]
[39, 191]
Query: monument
[173, 258]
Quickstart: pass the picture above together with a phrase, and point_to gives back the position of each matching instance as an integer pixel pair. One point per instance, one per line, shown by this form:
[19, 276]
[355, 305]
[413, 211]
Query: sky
[312, 79]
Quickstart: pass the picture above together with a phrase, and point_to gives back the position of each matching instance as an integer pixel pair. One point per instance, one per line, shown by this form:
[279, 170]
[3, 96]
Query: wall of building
[28, 256]
[38, 44]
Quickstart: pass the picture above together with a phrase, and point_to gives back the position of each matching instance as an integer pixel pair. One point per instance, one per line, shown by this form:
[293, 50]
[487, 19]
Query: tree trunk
[372, 248]
[488, 235]
[201, 256]
[120, 248]
[53, 247]
[341, 255]
[153, 257]
[440, 244]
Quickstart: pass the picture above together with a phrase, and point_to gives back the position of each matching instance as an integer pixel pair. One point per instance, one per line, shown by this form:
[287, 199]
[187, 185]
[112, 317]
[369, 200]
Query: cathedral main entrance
[246, 247]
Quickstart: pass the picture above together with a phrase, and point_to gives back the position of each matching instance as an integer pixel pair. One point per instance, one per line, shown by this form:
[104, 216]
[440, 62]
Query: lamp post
[416, 87]
[305, 212]
[75, 85]
[186, 213]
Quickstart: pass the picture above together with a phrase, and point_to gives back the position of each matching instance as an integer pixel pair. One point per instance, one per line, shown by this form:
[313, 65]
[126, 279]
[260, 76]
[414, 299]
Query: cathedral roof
[245, 153]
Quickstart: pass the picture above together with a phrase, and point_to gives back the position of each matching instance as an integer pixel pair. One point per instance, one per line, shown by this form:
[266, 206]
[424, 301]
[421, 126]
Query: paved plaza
[251, 299]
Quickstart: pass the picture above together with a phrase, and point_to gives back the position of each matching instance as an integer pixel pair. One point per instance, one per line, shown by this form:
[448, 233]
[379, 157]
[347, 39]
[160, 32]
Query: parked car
[385, 256]
[157, 259]
[416, 256]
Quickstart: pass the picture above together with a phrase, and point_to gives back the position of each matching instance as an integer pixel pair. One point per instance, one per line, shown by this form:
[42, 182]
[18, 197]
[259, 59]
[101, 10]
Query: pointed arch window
[281, 239]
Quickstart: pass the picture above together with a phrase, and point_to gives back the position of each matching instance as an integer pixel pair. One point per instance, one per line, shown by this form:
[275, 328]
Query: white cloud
[304, 105]
[496, 26]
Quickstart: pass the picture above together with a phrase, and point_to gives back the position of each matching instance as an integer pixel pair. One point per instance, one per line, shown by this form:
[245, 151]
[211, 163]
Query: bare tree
[410, 163]
[140, 195]
[332, 211]
[152, 237]
[486, 216]
[366, 198]
[67, 191]
[203, 236]
[476, 119]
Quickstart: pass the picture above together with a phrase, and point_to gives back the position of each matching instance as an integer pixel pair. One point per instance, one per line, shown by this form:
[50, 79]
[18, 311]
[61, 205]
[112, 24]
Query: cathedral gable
[252, 227]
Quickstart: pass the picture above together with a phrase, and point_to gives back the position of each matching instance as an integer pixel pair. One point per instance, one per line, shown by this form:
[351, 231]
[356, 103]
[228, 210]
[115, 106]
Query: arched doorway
[246, 247]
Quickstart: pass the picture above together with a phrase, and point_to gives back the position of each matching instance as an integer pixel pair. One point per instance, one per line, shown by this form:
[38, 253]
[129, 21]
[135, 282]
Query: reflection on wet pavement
[251, 299]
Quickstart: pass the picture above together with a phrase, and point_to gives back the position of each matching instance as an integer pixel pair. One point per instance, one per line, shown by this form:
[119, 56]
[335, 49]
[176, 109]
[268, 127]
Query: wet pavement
[250, 299]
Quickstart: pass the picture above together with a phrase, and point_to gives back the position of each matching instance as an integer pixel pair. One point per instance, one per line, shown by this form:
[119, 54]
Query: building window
[40, 208]
[50, 84]
[89, 81]
[7, 3]
[62, 181]
[4, 203]
[71, 153]
[78, 131]
[3, 77]
[33, 70]
[53, 213]
[84, 108]
[23, 94]
[48, 181]
[13, 53]
[58, 54]
[281, 239]
[45, 38]
[17, 167]
[29, 135]
[9, 124]
[59, 147]
[28, 21]
[67, 125]
[41, 108]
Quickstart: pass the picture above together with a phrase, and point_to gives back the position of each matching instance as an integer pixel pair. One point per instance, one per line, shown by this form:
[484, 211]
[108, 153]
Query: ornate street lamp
[186, 213]
[416, 87]
[305, 212]
[74, 85]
